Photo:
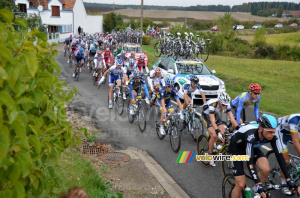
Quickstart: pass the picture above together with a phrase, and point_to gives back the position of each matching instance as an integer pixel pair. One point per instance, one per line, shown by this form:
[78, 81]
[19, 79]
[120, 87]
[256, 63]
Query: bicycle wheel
[119, 105]
[228, 184]
[202, 147]
[197, 128]
[204, 52]
[157, 49]
[226, 165]
[175, 137]
[141, 118]
[130, 117]
[157, 123]
[71, 63]
[275, 175]
[65, 52]
[77, 75]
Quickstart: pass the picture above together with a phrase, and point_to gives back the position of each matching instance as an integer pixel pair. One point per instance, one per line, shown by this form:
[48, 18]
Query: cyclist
[93, 50]
[100, 65]
[245, 99]
[288, 129]
[135, 87]
[246, 141]
[108, 58]
[73, 48]
[165, 104]
[67, 42]
[129, 70]
[214, 124]
[155, 81]
[114, 76]
[80, 56]
[188, 89]
[142, 63]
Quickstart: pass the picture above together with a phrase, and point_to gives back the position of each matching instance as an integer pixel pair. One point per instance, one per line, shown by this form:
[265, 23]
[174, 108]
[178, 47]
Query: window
[55, 11]
[171, 66]
[163, 64]
[52, 28]
[22, 7]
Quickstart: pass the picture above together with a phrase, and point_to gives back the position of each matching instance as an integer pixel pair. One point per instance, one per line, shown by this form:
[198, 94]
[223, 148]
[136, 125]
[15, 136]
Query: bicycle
[139, 113]
[117, 100]
[228, 184]
[171, 128]
[66, 50]
[194, 125]
[219, 148]
[71, 61]
[293, 168]
[77, 73]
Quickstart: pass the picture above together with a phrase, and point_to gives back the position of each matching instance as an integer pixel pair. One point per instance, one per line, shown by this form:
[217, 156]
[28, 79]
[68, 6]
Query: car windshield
[193, 68]
[133, 48]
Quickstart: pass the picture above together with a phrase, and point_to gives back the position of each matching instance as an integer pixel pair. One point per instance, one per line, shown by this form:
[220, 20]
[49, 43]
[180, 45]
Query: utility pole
[142, 2]
[113, 6]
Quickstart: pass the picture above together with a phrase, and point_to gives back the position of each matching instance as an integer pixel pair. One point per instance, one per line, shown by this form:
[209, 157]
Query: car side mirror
[145, 52]
[213, 71]
[170, 71]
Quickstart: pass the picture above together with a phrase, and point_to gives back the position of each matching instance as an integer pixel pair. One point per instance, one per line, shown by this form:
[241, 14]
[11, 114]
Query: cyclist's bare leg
[240, 183]
[125, 83]
[264, 168]
[213, 137]
[110, 92]
[187, 101]
[75, 67]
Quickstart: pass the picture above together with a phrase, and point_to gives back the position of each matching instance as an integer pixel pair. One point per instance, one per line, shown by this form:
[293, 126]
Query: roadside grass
[291, 39]
[279, 79]
[72, 170]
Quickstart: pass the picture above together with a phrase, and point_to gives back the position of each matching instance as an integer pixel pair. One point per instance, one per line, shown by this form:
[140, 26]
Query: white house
[62, 17]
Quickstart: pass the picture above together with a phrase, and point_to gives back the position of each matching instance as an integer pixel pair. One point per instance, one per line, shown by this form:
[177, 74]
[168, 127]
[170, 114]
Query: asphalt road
[195, 179]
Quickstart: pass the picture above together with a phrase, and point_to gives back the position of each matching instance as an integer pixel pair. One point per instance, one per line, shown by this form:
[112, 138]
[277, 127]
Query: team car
[129, 47]
[182, 70]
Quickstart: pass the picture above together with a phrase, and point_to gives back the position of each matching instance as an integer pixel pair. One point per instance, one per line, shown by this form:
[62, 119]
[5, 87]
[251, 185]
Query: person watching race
[188, 89]
[246, 141]
[214, 124]
[114, 76]
[288, 129]
[80, 56]
[165, 104]
[135, 87]
[244, 100]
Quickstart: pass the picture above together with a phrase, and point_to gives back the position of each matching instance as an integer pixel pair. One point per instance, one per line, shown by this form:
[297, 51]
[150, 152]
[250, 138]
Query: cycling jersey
[114, 74]
[140, 64]
[287, 125]
[80, 55]
[212, 107]
[108, 57]
[188, 89]
[164, 94]
[246, 141]
[93, 50]
[242, 101]
[129, 69]
[99, 60]
[68, 40]
[135, 84]
[153, 80]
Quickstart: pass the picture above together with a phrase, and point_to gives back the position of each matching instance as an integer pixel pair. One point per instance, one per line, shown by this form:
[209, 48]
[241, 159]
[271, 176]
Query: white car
[256, 26]
[181, 71]
[238, 27]
[278, 25]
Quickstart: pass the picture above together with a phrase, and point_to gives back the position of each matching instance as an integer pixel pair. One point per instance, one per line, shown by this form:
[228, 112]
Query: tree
[259, 38]
[9, 4]
[34, 129]
[110, 22]
[280, 11]
[225, 23]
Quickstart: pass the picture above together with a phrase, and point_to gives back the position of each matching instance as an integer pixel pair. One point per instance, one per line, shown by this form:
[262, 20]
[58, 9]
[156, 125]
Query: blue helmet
[119, 62]
[81, 49]
[137, 73]
[169, 82]
[267, 121]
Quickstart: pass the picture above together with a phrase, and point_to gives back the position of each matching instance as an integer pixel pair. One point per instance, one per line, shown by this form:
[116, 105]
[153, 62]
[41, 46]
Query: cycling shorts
[113, 78]
[207, 120]
[81, 59]
[168, 104]
[284, 139]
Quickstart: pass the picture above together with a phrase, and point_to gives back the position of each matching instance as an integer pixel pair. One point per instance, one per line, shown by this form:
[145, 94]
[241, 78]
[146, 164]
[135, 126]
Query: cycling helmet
[157, 70]
[118, 56]
[107, 49]
[81, 49]
[96, 43]
[169, 82]
[194, 79]
[99, 51]
[267, 121]
[82, 44]
[131, 61]
[142, 57]
[255, 87]
[123, 53]
[119, 62]
[119, 48]
[224, 98]
[70, 35]
[137, 73]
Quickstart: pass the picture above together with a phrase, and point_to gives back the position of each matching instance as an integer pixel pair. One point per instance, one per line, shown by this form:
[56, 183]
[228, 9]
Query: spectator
[79, 30]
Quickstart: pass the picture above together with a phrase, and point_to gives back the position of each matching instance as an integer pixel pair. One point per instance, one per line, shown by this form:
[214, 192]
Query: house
[62, 17]
[290, 13]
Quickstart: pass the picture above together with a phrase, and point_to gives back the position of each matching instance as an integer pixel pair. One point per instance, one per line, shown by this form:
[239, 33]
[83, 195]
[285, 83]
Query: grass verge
[279, 79]
[291, 39]
[73, 170]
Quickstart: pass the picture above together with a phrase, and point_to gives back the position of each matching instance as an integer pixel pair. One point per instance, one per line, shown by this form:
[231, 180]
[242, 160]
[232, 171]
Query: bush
[146, 40]
[34, 129]
[119, 27]
[264, 51]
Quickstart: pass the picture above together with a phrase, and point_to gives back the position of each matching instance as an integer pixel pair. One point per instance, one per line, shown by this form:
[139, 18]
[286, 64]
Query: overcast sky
[184, 2]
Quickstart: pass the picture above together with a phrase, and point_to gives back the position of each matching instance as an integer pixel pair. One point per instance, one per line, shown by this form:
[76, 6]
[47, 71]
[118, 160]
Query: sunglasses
[256, 93]
[170, 86]
[269, 131]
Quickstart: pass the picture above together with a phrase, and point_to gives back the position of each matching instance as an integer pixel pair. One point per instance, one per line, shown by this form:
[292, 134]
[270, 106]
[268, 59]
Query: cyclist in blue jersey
[288, 130]
[80, 56]
[114, 76]
[245, 99]
[164, 102]
[247, 141]
[188, 89]
[135, 87]
[129, 69]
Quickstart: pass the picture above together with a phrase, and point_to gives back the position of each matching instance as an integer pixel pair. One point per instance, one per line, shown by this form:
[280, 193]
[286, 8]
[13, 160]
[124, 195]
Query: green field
[280, 80]
[291, 39]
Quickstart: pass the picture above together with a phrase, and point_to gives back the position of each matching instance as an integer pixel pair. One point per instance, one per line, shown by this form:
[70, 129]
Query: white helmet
[224, 98]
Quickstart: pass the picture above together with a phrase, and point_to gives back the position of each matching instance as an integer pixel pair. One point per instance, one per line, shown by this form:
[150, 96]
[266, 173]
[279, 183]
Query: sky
[184, 2]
